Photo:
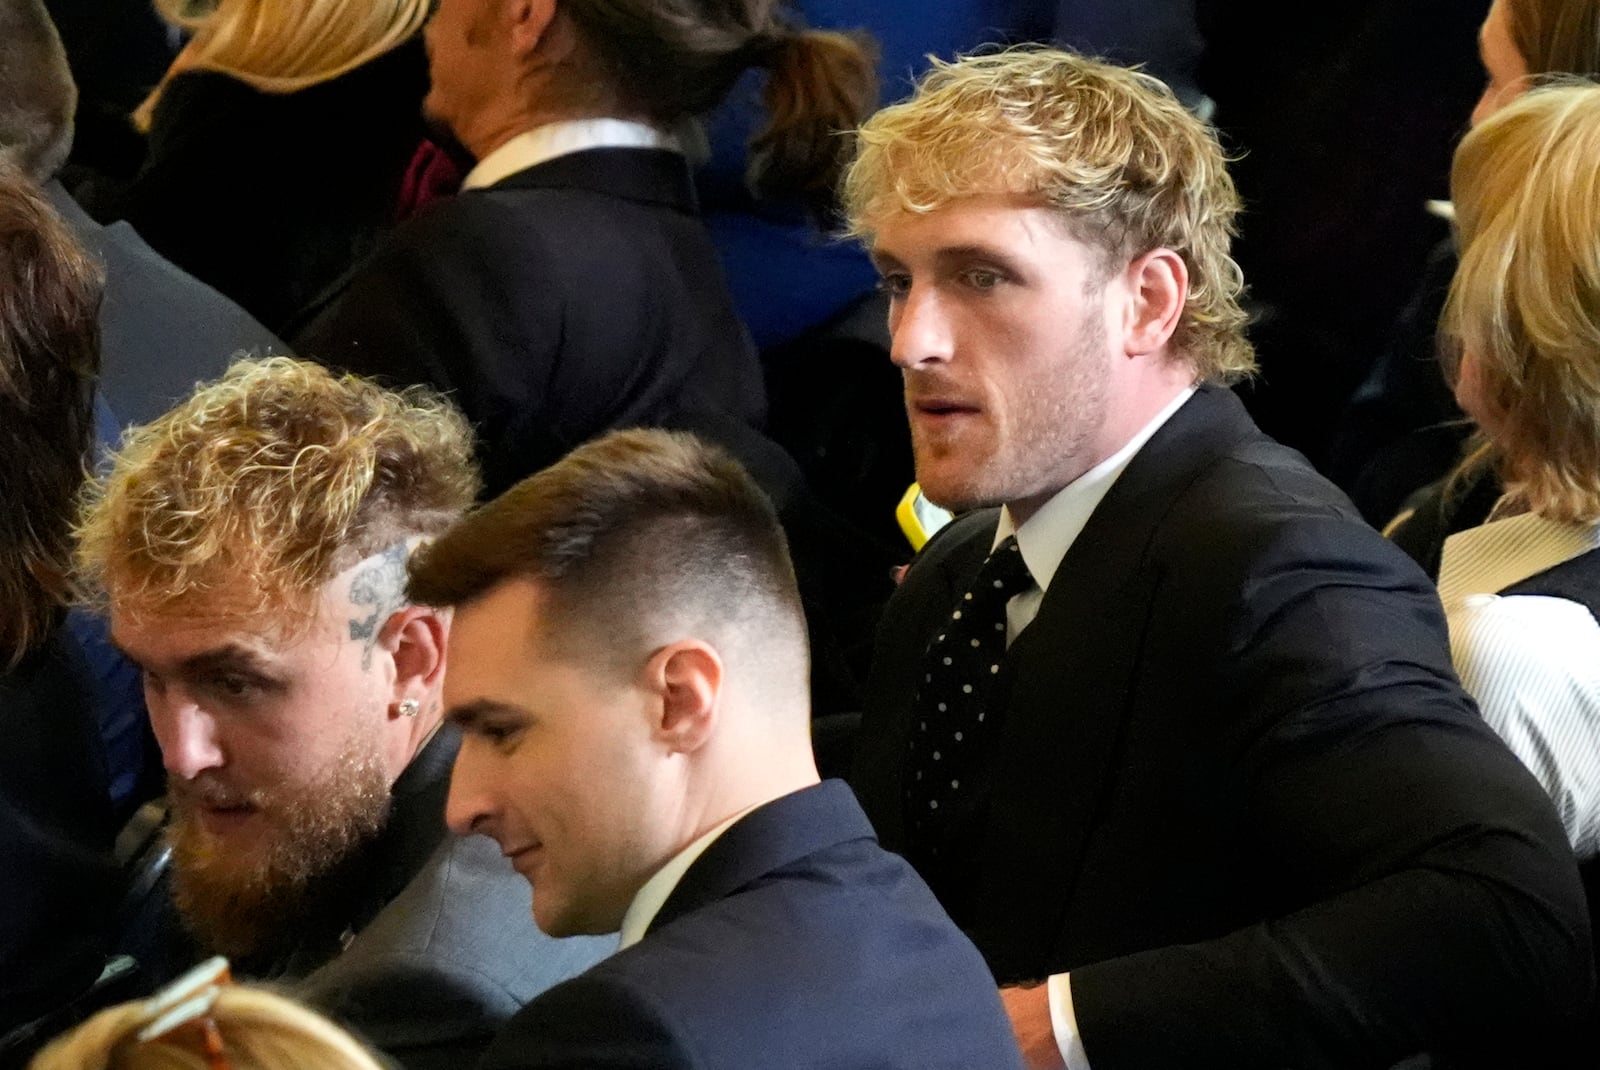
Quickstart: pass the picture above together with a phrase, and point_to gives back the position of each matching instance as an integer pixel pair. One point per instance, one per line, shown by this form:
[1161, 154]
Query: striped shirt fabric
[1531, 662]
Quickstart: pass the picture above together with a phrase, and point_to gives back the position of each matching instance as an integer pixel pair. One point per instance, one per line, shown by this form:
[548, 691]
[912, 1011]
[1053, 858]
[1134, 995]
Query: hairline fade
[636, 535]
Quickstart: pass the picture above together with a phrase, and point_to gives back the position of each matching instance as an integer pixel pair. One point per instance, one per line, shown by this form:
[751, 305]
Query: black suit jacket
[1238, 791]
[793, 941]
[573, 297]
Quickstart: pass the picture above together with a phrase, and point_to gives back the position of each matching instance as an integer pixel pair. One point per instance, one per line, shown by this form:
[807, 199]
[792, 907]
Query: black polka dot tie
[952, 718]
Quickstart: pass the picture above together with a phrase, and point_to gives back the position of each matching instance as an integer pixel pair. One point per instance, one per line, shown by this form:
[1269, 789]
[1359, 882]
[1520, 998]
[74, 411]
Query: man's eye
[498, 734]
[982, 279]
[234, 685]
[896, 285]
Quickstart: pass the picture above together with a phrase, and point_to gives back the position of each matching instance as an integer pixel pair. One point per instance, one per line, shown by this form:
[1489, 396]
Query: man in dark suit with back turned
[1173, 729]
[571, 286]
[628, 669]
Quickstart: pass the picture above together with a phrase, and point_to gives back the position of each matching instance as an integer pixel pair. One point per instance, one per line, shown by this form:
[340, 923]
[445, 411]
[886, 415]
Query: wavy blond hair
[1109, 148]
[1525, 302]
[279, 46]
[260, 1030]
[263, 485]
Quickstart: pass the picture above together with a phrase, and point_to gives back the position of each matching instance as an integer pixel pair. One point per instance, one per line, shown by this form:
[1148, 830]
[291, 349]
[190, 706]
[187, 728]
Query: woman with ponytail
[572, 287]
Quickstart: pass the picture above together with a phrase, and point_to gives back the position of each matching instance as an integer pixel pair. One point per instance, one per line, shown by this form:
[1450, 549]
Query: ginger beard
[237, 898]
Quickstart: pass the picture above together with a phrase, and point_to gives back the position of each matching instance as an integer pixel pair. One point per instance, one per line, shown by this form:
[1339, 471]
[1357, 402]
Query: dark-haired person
[161, 330]
[250, 549]
[572, 287]
[629, 673]
[56, 822]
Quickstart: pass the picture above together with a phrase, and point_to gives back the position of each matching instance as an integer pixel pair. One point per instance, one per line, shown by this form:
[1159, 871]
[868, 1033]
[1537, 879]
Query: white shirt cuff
[1065, 1023]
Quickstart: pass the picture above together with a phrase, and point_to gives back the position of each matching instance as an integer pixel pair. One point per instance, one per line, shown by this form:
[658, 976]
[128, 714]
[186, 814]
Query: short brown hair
[263, 485]
[635, 532]
[49, 356]
[1110, 149]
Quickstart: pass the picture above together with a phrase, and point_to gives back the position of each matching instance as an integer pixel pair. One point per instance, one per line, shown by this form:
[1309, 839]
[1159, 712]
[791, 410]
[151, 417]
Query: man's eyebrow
[470, 715]
[960, 254]
[884, 261]
[228, 656]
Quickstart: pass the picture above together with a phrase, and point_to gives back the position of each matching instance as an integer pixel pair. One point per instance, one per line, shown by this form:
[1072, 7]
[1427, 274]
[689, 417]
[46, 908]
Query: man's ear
[415, 638]
[527, 22]
[1158, 286]
[687, 677]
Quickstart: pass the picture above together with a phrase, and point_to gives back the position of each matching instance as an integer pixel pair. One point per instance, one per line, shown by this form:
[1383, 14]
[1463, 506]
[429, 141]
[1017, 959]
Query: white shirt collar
[649, 899]
[546, 142]
[1493, 556]
[1045, 537]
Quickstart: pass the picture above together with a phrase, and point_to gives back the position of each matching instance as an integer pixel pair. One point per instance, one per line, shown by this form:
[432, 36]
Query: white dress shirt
[653, 895]
[1531, 662]
[1044, 540]
[546, 142]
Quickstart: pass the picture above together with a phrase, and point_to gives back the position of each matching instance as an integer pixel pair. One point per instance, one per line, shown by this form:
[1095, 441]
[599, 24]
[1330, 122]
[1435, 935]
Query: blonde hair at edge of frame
[1109, 148]
[279, 46]
[259, 1029]
[264, 484]
[1525, 301]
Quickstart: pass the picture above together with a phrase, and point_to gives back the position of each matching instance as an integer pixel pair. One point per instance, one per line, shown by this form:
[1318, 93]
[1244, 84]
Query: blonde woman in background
[1522, 590]
[203, 1022]
[278, 142]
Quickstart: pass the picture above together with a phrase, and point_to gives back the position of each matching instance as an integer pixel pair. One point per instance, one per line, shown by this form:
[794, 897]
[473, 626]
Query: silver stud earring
[409, 707]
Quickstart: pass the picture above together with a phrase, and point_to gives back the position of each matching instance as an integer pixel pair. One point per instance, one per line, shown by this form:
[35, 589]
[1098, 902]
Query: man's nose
[187, 735]
[919, 328]
[468, 807]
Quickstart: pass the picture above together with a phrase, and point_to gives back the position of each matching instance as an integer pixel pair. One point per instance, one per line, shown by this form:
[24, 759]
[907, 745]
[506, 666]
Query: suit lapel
[1071, 677]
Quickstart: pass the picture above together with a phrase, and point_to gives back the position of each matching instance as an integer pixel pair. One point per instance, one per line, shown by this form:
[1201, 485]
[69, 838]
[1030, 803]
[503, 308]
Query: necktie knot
[1004, 572]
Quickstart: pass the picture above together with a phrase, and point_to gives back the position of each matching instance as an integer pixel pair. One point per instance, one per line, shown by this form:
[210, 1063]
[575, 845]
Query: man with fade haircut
[251, 549]
[1170, 728]
[628, 667]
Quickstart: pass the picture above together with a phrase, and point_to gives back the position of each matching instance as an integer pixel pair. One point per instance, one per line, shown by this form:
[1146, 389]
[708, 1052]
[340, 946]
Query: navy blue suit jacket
[793, 941]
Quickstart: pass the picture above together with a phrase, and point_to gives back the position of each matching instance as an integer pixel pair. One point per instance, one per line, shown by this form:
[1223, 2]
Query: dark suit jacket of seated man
[793, 941]
[1192, 748]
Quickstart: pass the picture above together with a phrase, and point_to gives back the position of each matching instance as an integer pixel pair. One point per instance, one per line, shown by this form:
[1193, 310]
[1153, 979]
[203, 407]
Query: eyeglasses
[188, 1001]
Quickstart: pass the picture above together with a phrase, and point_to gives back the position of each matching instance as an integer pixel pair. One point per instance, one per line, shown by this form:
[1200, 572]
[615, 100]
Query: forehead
[181, 630]
[494, 635]
[1002, 224]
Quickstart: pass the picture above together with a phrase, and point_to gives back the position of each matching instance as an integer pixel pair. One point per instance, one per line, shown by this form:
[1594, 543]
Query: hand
[1029, 1011]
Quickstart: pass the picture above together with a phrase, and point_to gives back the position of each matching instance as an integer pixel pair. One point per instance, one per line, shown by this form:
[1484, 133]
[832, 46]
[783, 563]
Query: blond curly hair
[263, 485]
[1109, 148]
